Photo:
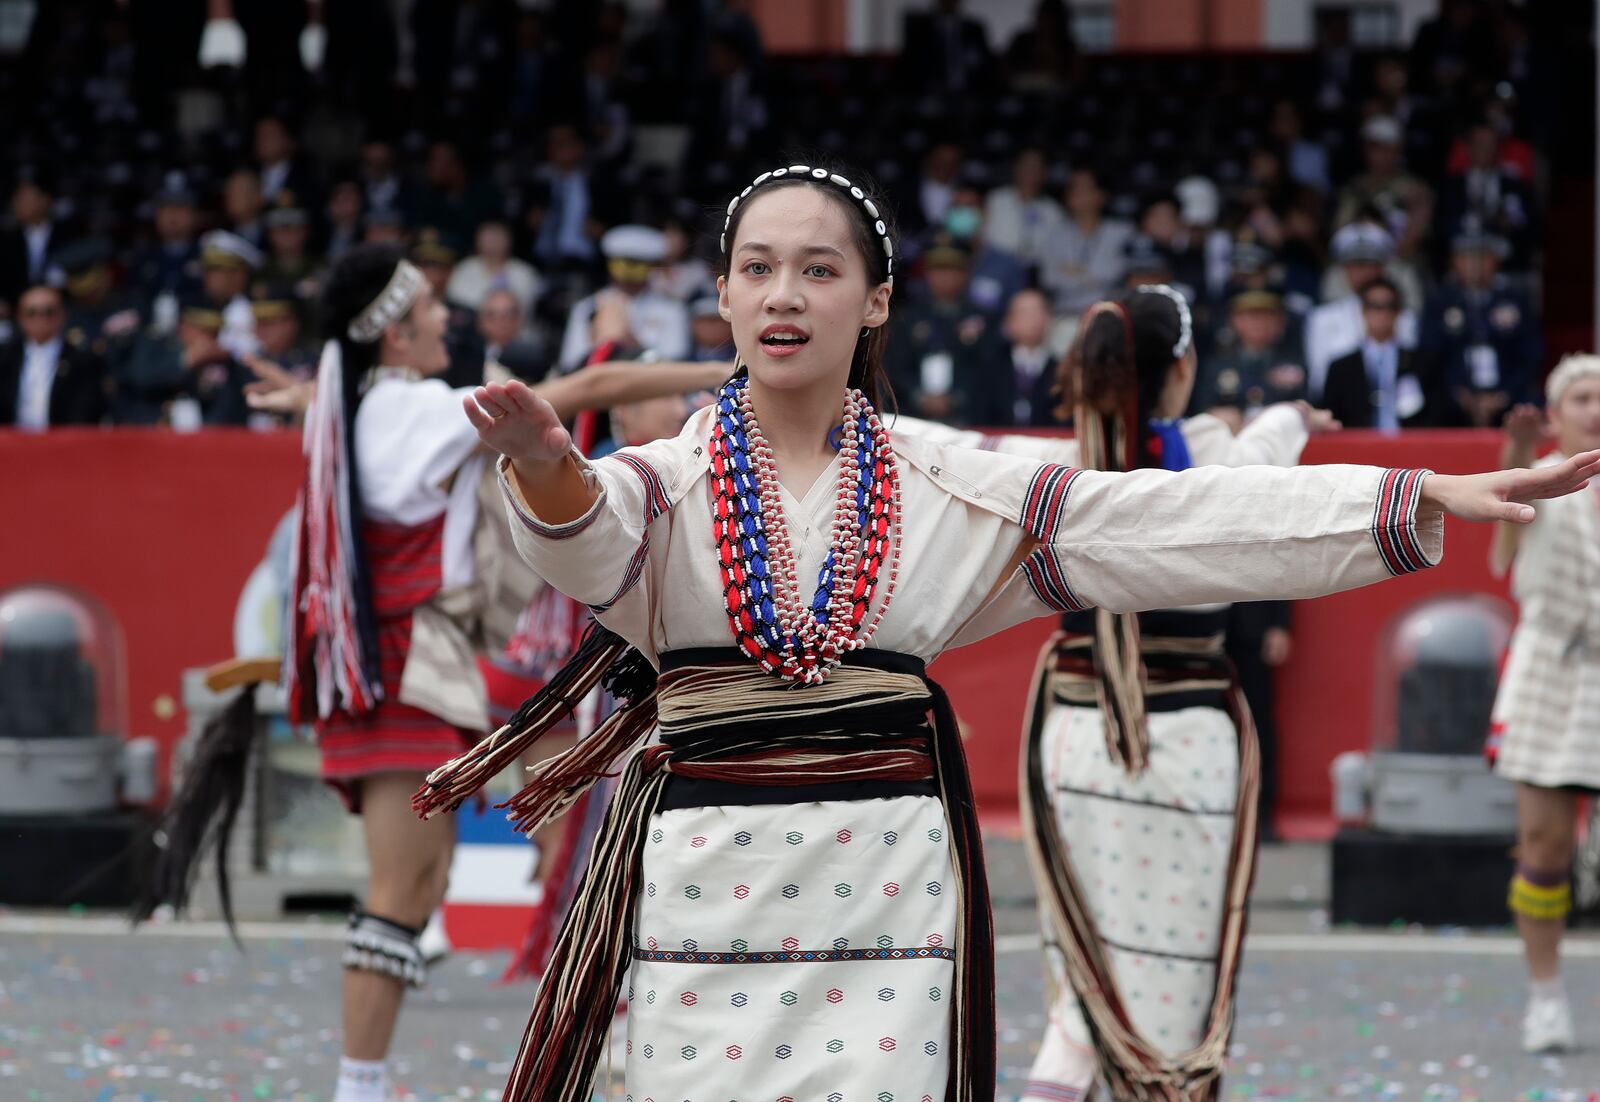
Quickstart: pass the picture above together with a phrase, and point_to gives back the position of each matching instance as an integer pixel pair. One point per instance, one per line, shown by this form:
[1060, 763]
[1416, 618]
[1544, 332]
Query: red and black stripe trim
[655, 491]
[1043, 508]
[539, 527]
[1045, 503]
[1394, 520]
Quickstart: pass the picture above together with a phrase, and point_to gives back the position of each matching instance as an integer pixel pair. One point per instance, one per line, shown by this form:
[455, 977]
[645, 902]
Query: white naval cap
[634, 243]
[229, 249]
[1362, 241]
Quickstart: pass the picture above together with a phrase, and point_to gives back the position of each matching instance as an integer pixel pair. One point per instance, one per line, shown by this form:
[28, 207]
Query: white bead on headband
[1185, 322]
[390, 305]
[819, 174]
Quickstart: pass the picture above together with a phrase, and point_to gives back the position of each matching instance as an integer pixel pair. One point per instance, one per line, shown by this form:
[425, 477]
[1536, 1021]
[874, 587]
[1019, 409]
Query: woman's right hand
[1317, 420]
[517, 423]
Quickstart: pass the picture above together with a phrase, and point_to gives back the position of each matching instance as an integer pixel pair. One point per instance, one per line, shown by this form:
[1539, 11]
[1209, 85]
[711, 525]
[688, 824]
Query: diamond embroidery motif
[691, 945]
[931, 1048]
[836, 1045]
[885, 1096]
[934, 887]
[650, 997]
[891, 889]
[835, 996]
[688, 998]
[649, 1051]
[790, 944]
[791, 890]
[935, 835]
[688, 1052]
[835, 1097]
[783, 1052]
[692, 891]
[656, 836]
[794, 837]
[841, 943]
[651, 943]
[885, 994]
[934, 994]
[740, 891]
[841, 890]
[788, 998]
[886, 1044]
[885, 941]
[697, 841]
[842, 837]
[742, 838]
[650, 890]
[890, 837]
[739, 944]
[734, 1052]
[739, 998]
[935, 939]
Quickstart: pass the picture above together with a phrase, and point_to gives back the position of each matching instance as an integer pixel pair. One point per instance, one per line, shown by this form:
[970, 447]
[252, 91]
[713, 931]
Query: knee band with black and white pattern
[376, 944]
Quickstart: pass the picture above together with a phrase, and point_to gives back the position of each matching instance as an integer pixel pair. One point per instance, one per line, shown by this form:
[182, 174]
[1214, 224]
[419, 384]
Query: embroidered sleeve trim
[1045, 504]
[538, 527]
[1394, 521]
[1048, 580]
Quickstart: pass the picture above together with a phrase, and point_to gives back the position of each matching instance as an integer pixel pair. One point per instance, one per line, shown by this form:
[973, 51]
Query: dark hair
[866, 364]
[1382, 283]
[1101, 375]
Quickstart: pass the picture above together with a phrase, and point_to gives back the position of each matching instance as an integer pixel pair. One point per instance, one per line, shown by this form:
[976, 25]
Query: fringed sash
[1132, 1068]
[722, 719]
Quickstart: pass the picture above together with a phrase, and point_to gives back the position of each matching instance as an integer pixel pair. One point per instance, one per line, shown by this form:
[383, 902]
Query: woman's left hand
[1317, 420]
[1505, 495]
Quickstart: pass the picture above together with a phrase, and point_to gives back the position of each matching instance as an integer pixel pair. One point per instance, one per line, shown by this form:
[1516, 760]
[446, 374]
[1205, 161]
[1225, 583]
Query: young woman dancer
[1547, 714]
[791, 880]
[1140, 767]
[381, 656]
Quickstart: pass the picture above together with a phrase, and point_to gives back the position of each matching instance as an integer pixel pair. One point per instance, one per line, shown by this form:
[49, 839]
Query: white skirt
[1151, 854]
[1547, 711]
[794, 951]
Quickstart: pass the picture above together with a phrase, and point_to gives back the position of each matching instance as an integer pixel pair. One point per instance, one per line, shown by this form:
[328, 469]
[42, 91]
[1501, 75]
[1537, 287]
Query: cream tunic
[987, 540]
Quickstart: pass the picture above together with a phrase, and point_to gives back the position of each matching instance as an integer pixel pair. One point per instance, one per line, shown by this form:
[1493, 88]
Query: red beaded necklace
[756, 554]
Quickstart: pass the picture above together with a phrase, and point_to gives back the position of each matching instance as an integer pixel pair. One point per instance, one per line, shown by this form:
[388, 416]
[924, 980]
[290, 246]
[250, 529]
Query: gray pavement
[91, 1012]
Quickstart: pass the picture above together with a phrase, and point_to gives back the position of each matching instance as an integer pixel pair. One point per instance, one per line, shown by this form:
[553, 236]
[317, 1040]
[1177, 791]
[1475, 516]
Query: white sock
[362, 1081]
[1550, 990]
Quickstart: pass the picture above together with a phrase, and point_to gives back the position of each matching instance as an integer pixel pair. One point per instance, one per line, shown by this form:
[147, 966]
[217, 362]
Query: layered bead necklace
[771, 625]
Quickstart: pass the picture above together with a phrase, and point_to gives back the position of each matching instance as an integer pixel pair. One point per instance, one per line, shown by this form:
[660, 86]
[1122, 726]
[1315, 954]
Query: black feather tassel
[202, 812]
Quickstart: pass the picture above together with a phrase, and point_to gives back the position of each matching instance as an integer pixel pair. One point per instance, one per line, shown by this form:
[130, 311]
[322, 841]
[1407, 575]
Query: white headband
[390, 306]
[1579, 365]
[1185, 322]
[855, 193]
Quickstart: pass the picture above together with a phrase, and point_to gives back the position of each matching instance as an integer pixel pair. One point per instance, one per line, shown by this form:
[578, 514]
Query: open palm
[1506, 495]
[517, 423]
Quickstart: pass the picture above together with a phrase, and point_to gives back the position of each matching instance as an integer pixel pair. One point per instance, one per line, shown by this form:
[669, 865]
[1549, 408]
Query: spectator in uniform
[1481, 335]
[947, 360]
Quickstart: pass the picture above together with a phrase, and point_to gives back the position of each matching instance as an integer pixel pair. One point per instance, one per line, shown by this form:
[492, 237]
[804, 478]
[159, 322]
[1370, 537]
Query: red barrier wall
[165, 528]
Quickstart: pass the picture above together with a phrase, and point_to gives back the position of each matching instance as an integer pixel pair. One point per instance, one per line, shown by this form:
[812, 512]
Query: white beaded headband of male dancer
[1582, 365]
[821, 175]
[1185, 322]
[390, 306]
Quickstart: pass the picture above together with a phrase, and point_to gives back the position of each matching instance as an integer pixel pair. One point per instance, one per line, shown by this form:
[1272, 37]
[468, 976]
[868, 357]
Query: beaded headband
[1185, 322]
[819, 175]
[390, 306]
